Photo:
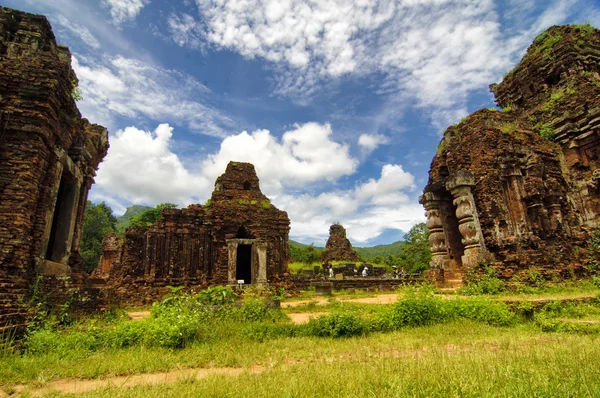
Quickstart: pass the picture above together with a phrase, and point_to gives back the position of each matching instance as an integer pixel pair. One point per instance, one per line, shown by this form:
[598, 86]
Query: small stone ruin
[519, 189]
[338, 247]
[238, 235]
[48, 159]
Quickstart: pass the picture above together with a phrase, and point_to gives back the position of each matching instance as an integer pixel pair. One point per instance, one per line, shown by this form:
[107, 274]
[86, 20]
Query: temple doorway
[244, 264]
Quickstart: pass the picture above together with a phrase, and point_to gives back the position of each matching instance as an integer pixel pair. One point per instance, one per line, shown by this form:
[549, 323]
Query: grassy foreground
[421, 346]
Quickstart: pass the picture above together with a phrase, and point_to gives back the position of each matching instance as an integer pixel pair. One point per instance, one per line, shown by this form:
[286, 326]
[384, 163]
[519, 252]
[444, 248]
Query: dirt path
[78, 386]
[139, 315]
[317, 300]
[304, 317]
[378, 299]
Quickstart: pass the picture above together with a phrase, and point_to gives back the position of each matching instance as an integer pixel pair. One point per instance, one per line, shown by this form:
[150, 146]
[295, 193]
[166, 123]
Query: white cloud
[306, 154]
[132, 89]
[80, 31]
[435, 51]
[124, 10]
[185, 30]
[140, 168]
[366, 211]
[140, 164]
[370, 142]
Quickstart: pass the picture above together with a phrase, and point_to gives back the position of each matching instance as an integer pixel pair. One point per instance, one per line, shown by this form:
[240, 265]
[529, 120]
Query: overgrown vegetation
[219, 327]
[150, 216]
[545, 42]
[98, 221]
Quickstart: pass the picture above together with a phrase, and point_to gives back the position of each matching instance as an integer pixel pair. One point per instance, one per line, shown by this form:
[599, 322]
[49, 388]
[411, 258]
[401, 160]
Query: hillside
[123, 221]
[394, 249]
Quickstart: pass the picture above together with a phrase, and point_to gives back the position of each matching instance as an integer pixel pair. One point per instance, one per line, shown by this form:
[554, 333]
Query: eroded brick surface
[500, 193]
[338, 247]
[48, 158]
[193, 247]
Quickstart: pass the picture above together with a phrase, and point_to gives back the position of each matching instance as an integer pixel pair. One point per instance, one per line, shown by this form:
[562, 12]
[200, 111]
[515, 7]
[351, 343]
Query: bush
[483, 310]
[335, 325]
[486, 284]
[423, 308]
[217, 295]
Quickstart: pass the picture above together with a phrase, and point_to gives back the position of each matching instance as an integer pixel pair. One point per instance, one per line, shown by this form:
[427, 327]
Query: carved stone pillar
[437, 236]
[261, 251]
[468, 221]
[556, 216]
[232, 246]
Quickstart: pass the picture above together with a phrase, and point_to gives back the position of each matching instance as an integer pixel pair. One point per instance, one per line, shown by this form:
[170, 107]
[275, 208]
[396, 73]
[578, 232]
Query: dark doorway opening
[66, 200]
[456, 248]
[246, 186]
[243, 268]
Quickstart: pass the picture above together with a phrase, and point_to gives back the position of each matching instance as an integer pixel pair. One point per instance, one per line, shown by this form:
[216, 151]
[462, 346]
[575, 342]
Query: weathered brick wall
[535, 200]
[338, 247]
[188, 247]
[40, 127]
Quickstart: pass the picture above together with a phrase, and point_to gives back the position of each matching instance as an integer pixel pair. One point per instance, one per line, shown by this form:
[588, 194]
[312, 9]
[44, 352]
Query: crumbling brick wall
[48, 158]
[193, 247]
[516, 188]
[338, 247]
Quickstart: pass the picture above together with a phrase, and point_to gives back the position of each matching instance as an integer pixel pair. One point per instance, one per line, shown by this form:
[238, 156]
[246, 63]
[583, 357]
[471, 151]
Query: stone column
[232, 246]
[261, 251]
[55, 178]
[83, 195]
[437, 236]
[460, 185]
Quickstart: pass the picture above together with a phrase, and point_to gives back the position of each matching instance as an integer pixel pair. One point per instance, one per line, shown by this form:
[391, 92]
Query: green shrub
[486, 284]
[217, 295]
[596, 281]
[341, 324]
[417, 308]
[483, 310]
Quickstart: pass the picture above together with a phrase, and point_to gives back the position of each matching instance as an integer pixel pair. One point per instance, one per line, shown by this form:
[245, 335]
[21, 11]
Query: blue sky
[340, 104]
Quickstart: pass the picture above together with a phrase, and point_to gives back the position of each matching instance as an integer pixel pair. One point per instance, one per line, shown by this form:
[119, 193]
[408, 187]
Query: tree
[150, 216]
[305, 254]
[416, 253]
[418, 234]
[97, 222]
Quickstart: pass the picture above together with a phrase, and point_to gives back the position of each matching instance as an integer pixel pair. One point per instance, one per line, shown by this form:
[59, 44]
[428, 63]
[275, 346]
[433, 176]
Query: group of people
[365, 272]
[395, 272]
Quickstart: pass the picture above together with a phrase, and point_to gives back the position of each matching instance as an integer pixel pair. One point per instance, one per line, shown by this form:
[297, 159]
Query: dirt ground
[70, 386]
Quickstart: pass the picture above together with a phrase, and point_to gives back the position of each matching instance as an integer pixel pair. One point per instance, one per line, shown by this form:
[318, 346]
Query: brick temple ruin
[48, 159]
[519, 189]
[237, 236]
[338, 247]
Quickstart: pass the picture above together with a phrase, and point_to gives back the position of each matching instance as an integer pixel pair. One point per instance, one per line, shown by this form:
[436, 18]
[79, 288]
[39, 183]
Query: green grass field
[421, 346]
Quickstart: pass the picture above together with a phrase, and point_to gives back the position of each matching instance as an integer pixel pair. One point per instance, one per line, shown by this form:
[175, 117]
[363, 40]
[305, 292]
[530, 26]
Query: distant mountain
[123, 221]
[366, 253]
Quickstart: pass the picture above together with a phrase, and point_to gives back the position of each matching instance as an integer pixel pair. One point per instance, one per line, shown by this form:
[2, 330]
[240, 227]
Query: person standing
[365, 272]
[330, 272]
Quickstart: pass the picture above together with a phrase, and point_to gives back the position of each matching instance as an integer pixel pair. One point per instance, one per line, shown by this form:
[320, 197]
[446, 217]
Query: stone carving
[338, 247]
[48, 159]
[501, 191]
[238, 235]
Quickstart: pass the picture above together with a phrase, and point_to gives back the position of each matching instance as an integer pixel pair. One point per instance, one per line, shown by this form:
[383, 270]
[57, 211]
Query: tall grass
[506, 365]
[185, 332]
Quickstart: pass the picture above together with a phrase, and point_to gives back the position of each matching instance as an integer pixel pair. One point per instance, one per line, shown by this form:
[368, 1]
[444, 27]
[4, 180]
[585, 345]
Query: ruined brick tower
[237, 235]
[48, 159]
[519, 189]
[338, 247]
